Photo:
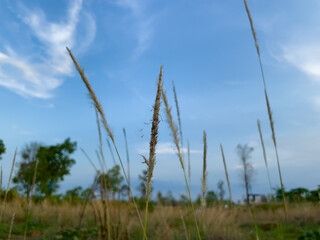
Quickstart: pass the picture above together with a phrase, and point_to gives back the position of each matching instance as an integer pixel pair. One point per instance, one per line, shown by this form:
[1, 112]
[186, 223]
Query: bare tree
[244, 153]
[221, 190]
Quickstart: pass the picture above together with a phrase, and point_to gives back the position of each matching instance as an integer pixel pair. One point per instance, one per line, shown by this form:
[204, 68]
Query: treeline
[54, 163]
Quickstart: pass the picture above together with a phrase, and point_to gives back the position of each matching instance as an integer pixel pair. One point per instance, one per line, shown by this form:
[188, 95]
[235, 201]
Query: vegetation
[2, 148]
[54, 164]
[108, 209]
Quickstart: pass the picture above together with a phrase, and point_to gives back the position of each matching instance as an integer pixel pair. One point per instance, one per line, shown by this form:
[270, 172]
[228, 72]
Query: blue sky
[206, 48]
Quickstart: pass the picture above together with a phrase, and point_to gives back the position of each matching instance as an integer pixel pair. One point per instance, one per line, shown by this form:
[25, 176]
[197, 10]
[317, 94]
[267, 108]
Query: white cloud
[165, 148]
[304, 57]
[34, 76]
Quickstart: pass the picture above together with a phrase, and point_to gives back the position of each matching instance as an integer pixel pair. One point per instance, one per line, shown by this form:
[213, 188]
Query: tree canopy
[2, 148]
[54, 164]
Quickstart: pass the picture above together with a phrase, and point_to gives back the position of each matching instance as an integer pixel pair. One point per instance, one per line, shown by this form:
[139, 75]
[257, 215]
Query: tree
[244, 153]
[297, 194]
[221, 190]
[113, 180]
[211, 197]
[74, 195]
[54, 164]
[26, 167]
[2, 148]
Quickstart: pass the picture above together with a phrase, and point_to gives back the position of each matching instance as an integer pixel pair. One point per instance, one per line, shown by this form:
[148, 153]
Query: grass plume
[104, 122]
[152, 150]
[178, 113]
[174, 133]
[269, 109]
[227, 175]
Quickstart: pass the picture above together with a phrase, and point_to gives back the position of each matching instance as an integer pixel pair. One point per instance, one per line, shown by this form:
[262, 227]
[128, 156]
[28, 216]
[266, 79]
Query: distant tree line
[55, 162]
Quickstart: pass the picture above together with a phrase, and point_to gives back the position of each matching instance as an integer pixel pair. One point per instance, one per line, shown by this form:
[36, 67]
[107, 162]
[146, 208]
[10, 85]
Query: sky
[206, 47]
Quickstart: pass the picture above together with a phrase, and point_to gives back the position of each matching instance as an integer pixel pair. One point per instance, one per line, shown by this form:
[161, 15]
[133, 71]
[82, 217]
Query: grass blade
[227, 175]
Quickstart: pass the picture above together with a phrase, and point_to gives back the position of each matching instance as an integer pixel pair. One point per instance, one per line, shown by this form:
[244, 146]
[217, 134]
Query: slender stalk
[189, 164]
[9, 181]
[104, 164]
[255, 222]
[105, 199]
[100, 161]
[105, 124]
[111, 152]
[31, 197]
[128, 171]
[178, 114]
[264, 155]
[204, 172]
[153, 143]
[227, 175]
[11, 225]
[269, 108]
[184, 226]
[86, 201]
[174, 133]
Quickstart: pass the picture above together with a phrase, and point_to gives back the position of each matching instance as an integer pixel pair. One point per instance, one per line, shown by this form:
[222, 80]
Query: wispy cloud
[143, 23]
[165, 148]
[305, 57]
[37, 76]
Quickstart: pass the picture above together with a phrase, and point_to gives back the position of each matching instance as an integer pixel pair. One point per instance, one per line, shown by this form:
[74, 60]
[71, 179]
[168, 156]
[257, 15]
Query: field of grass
[99, 217]
[51, 220]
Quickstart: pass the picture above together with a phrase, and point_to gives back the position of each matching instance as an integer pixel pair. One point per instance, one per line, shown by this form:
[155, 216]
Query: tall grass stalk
[174, 133]
[105, 124]
[227, 175]
[112, 156]
[204, 172]
[189, 165]
[269, 109]
[86, 200]
[153, 143]
[178, 114]
[264, 155]
[30, 198]
[9, 181]
[128, 171]
[184, 226]
[11, 225]
[104, 164]
[89, 159]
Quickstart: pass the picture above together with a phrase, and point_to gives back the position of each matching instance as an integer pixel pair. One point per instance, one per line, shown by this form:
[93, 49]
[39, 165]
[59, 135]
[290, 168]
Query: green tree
[73, 195]
[297, 194]
[24, 176]
[113, 180]
[211, 197]
[54, 164]
[2, 148]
